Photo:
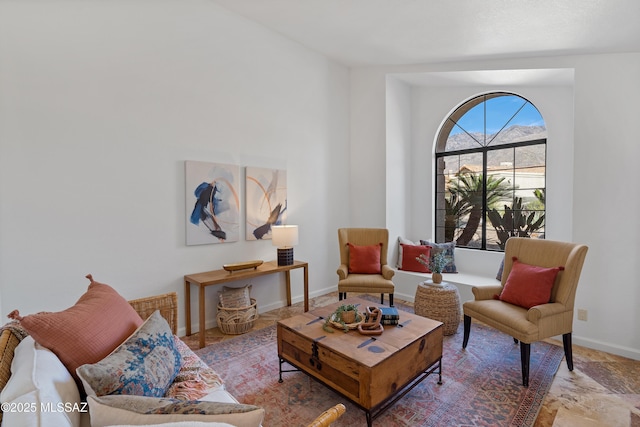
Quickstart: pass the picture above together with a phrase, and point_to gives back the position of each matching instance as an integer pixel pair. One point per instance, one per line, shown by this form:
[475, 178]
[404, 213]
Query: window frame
[440, 152]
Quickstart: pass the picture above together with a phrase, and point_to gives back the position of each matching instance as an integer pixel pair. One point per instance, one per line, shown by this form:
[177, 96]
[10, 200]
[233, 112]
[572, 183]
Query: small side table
[217, 277]
[441, 303]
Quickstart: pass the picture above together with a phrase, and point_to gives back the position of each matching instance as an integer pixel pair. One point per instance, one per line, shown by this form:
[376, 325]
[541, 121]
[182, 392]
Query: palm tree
[454, 210]
[467, 189]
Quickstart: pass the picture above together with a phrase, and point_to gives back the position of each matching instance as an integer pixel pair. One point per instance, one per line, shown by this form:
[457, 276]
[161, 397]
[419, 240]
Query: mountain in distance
[515, 133]
[527, 157]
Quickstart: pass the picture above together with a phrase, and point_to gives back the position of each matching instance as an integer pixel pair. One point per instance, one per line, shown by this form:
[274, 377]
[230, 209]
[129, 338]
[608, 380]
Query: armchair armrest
[387, 272]
[486, 292]
[342, 271]
[544, 310]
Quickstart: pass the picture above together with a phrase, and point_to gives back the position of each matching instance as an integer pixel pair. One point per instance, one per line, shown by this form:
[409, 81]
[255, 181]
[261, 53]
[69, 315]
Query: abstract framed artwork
[266, 201]
[212, 202]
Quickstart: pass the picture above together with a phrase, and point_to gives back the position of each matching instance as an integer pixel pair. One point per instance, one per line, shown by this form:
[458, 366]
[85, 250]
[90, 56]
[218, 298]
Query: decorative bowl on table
[335, 322]
[242, 265]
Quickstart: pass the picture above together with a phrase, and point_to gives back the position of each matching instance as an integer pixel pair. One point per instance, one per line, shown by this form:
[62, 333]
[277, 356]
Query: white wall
[399, 179]
[101, 103]
[367, 185]
[606, 204]
[595, 209]
[433, 102]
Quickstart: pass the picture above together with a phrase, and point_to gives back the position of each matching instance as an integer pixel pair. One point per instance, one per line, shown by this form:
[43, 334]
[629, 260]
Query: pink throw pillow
[529, 285]
[364, 259]
[409, 255]
[88, 331]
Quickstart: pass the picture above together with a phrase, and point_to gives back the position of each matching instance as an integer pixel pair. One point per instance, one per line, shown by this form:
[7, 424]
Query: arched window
[490, 172]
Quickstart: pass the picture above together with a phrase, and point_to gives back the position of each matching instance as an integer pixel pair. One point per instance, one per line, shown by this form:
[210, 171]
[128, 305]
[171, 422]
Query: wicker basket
[439, 303]
[166, 303]
[236, 321]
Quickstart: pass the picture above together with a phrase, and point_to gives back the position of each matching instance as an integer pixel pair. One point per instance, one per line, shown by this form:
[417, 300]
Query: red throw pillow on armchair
[364, 259]
[409, 255]
[529, 285]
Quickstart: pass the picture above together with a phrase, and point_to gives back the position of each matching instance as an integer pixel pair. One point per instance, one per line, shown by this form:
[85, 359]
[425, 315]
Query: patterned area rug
[481, 385]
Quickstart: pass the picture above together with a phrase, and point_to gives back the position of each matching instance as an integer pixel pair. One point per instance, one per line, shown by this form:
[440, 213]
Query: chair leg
[467, 329]
[382, 299]
[525, 354]
[341, 295]
[390, 300]
[568, 351]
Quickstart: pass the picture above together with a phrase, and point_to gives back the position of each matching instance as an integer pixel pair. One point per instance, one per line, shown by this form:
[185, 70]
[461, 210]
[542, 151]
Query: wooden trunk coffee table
[372, 372]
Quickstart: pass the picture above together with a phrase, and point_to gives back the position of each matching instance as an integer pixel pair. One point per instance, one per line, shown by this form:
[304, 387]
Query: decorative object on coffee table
[372, 326]
[345, 317]
[388, 315]
[242, 265]
[440, 303]
[435, 264]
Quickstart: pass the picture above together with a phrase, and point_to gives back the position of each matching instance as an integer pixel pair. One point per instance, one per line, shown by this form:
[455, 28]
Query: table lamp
[285, 237]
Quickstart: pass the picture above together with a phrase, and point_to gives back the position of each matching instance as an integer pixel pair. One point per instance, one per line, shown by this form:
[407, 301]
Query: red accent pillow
[409, 255]
[364, 259]
[529, 285]
[88, 331]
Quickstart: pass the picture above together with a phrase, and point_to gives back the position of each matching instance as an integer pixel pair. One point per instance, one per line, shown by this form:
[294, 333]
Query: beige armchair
[353, 282]
[538, 322]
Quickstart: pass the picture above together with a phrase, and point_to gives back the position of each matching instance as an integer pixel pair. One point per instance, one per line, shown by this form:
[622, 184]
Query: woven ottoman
[441, 303]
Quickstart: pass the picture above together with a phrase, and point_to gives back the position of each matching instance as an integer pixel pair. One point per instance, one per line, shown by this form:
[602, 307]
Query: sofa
[107, 361]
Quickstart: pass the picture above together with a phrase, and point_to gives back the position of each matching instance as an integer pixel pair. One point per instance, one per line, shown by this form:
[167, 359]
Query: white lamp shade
[284, 235]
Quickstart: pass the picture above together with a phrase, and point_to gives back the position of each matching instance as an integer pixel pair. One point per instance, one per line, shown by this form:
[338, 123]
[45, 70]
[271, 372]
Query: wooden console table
[217, 277]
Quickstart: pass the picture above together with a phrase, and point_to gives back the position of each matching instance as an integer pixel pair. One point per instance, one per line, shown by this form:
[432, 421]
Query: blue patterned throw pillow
[145, 364]
[448, 249]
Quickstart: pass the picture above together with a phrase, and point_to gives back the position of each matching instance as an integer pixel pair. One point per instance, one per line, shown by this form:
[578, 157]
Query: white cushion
[182, 424]
[143, 410]
[40, 392]
[219, 394]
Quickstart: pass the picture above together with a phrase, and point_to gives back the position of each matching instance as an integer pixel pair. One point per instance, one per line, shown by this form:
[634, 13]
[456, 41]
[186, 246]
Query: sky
[499, 111]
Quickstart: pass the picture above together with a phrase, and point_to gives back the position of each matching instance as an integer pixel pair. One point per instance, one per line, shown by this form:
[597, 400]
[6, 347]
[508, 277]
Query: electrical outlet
[582, 314]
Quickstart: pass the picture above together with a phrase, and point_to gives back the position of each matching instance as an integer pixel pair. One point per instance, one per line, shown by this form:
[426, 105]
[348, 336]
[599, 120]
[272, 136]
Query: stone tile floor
[602, 390]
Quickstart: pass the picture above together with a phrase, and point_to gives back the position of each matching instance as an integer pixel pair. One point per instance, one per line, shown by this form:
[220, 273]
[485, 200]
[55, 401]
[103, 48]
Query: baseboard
[404, 297]
[296, 299]
[631, 353]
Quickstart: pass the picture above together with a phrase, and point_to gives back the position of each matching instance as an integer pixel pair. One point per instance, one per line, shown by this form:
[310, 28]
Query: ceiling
[376, 32]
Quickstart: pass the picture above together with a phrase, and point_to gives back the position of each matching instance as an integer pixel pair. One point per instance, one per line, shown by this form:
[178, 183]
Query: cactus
[514, 222]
